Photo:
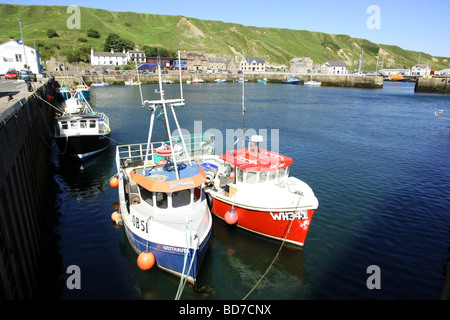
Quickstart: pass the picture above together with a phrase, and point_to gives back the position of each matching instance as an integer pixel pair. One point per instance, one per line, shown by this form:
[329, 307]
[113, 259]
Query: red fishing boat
[251, 188]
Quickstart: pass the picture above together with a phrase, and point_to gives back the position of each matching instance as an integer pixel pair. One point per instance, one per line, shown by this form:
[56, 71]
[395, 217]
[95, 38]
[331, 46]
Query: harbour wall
[24, 176]
[432, 85]
[348, 81]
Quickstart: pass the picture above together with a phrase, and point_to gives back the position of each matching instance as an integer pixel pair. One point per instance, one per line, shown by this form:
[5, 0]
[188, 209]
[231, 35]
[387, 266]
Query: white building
[136, 56]
[253, 64]
[334, 67]
[420, 70]
[13, 55]
[108, 58]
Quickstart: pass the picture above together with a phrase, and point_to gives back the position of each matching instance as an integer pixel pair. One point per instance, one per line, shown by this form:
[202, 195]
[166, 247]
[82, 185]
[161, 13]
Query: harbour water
[377, 160]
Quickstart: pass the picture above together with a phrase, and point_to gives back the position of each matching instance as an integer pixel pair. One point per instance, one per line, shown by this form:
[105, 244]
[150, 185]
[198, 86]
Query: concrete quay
[25, 211]
[433, 85]
[347, 81]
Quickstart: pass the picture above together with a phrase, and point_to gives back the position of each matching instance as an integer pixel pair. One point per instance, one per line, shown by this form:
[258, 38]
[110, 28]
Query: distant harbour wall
[432, 85]
[347, 81]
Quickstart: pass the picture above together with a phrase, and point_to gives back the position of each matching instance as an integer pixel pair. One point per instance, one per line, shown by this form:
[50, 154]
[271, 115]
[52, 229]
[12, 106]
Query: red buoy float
[117, 218]
[114, 182]
[231, 216]
[146, 260]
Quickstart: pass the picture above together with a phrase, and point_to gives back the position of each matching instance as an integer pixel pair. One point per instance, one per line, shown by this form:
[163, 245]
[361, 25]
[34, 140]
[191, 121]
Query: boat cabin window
[197, 193]
[262, 176]
[73, 124]
[283, 172]
[161, 200]
[272, 175]
[91, 123]
[64, 125]
[240, 174]
[181, 198]
[83, 124]
[146, 195]
[251, 177]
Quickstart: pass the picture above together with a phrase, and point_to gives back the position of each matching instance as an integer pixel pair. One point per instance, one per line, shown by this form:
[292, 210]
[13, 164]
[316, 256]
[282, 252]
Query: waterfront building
[301, 65]
[217, 64]
[420, 70]
[108, 58]
[14, 54]
[164, 62]
[137, 56]
[253, 64]
[334, 67]
[197, 61]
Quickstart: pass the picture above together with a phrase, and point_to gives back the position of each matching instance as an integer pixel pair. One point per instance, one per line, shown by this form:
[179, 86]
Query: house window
[18, 58]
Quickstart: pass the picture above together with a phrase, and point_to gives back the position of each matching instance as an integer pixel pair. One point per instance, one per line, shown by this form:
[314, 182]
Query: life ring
[166, 151]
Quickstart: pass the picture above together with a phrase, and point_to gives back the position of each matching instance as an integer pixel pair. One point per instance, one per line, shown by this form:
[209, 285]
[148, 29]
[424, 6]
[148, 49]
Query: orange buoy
[117, 218]
[146, 260]
[114, 182]
[231, 216]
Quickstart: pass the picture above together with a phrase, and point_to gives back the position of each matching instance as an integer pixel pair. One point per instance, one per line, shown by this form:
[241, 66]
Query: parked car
[94, 73]
[117, 72]
[87, 72]
[112, 72]
[105, 72]
[11, 74]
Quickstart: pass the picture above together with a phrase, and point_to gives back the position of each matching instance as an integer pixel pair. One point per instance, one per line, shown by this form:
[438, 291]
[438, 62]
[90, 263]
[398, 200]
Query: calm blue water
[378, 161]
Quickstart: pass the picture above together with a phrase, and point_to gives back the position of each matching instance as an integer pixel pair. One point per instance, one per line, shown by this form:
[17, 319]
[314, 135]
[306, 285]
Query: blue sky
[412, 25]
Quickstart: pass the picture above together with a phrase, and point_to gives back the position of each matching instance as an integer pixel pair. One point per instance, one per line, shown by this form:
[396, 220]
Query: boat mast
[243, 104]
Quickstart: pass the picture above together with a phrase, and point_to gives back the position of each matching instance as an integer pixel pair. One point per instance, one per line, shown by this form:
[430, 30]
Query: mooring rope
[274, 259]
[184, 277]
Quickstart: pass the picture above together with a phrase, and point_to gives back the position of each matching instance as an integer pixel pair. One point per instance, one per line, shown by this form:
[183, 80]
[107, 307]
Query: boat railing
[133, 155]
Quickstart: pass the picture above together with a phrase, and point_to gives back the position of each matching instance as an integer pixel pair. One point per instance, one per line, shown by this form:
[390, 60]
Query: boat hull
[171, 258]
[276, 225]
[82, 146]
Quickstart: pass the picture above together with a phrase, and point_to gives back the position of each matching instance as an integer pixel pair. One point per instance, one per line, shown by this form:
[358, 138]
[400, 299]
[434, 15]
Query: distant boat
[83, 91]
[63, 92]
[100, 84]
[241, 80]
[291, 80]
[220, 81]
[132, 83]
[398, 77]
[79, 131]
[197, 80]
[313, 83]
[262, 80]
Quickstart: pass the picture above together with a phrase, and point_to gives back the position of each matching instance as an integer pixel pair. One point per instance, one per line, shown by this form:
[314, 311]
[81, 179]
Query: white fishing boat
[313, 83]
[163, 207]
[81, 132]
[100, 84]
[197, 80]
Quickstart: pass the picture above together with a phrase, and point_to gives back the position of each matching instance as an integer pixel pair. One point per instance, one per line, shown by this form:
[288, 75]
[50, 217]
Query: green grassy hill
[275, 45]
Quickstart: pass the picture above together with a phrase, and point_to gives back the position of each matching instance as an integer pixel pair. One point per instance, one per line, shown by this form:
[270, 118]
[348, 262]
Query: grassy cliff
[275, 45]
